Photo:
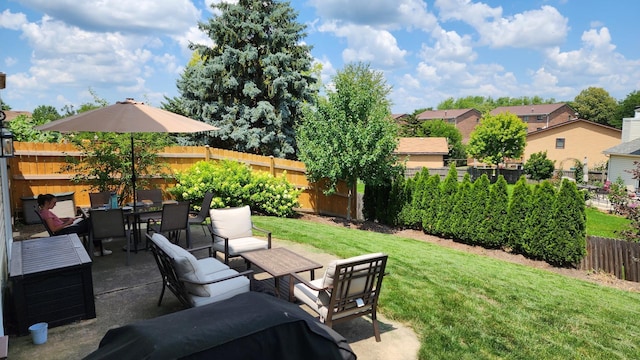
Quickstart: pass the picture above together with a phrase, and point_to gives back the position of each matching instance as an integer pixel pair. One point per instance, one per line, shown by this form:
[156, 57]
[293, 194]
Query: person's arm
[54, 223]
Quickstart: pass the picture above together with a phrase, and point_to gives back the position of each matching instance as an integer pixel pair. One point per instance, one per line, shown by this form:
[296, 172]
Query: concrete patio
[125, 294]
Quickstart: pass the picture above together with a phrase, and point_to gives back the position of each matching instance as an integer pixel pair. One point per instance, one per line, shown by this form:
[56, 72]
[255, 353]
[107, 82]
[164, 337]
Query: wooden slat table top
[55, 252]
[280, 261]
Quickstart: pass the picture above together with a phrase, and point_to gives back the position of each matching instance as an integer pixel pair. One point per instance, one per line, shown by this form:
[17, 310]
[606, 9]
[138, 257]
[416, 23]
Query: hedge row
[540, 222]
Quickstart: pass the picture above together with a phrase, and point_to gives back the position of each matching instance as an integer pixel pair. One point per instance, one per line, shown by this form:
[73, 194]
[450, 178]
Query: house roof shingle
[442, 114]
[626, 148]
[523, 110]
[423, 145]
[567, 123]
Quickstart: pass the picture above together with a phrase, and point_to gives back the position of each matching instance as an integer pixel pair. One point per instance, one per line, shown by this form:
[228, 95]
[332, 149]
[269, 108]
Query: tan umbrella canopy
[128, 116]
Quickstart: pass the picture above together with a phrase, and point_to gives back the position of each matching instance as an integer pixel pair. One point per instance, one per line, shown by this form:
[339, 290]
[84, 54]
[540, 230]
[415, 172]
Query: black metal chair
[108, 224]
[175, 218]
[203, 214]
[154, 195]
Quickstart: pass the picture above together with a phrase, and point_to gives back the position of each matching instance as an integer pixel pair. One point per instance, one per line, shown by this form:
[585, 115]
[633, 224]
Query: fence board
[37, 168]
[618, 257]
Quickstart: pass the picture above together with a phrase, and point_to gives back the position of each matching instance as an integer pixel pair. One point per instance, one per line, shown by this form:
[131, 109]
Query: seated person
[61, 226]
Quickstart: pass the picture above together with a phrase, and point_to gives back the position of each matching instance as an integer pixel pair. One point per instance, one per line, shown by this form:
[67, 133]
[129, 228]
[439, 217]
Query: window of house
[559, 143]
[540, 118]
[525, 118]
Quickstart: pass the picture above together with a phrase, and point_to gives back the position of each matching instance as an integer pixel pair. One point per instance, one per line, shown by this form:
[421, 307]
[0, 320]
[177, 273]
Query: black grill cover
[248, 326]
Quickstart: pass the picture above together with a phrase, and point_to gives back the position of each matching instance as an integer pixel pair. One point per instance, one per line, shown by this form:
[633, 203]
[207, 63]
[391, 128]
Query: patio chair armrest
[247, 273]
[198, 248]
[306, 283]
[215, 235]
[266, 232]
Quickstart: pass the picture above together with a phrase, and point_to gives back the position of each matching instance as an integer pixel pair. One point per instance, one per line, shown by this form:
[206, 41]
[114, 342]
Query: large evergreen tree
[251, 83]
[519, 209]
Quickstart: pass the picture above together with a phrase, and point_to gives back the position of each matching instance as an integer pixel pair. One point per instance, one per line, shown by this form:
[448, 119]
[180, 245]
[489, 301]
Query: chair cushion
[187, 266]
[232, 223]
[329, 274]
[240, 245]
[222, 290]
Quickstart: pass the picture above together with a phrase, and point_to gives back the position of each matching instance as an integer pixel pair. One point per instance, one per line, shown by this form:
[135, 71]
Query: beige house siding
[581, 139]
[416, 161]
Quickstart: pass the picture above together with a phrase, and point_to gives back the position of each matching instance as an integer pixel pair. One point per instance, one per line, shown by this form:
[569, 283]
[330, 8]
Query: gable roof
[524, 110]
[423, 145]
[569, 122]
[626, 148]
[444, 114]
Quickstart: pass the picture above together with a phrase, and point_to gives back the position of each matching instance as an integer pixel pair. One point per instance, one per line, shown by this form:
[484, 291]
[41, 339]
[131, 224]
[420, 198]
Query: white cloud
[122, 15]
[10, 61]
[12, 21]
[449, 46]
[539, 28]
[381, 14]
[367, 44]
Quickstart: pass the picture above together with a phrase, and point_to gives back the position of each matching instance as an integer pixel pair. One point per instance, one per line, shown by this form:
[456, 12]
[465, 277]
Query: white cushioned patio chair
[232, 232]
[195, 282]
[349, 288]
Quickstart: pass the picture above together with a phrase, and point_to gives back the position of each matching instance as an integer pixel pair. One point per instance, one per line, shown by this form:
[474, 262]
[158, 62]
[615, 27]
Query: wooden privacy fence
[618, 257]
[37, 168]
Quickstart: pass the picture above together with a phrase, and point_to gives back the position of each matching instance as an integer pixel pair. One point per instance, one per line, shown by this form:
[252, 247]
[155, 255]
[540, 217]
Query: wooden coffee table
[279, 262]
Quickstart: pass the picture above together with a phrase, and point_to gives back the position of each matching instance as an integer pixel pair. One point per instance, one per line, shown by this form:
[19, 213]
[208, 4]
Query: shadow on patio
[125, 294]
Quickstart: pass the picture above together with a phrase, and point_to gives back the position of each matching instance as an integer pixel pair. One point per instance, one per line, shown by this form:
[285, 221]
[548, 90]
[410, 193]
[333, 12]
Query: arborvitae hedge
[448, 190]
[568, 246]
[540, 222]
[430, 199]
[495, 222]
[460, 215]
[478, 211]
[519, 208]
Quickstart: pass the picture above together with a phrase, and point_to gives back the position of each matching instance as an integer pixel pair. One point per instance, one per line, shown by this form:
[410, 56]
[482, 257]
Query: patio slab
[125, 294]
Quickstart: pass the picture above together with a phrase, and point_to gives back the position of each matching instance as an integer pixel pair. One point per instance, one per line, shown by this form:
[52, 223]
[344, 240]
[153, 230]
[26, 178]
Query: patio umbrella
[131, 117]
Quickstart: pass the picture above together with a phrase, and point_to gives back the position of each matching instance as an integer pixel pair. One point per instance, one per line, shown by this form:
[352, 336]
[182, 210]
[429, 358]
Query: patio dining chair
[174, 219]
[350, 288]
[99, 199]
[107, 224]
[232, 232]
[154, 195]
[203, 214]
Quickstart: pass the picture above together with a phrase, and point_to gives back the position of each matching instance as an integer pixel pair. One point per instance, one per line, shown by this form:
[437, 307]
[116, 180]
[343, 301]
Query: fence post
[207, 155]
[272, 166]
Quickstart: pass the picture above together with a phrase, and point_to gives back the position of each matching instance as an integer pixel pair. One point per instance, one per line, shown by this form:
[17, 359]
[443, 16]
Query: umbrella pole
[133, 174]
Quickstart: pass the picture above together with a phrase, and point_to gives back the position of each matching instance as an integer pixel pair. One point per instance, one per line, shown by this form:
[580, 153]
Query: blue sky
[53, 52]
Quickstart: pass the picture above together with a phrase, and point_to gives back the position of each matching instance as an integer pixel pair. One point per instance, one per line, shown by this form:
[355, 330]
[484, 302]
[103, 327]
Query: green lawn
[465, 306]
[603, 224]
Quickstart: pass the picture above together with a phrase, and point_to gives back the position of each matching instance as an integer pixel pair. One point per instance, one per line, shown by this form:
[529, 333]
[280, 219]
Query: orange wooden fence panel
[38, 168]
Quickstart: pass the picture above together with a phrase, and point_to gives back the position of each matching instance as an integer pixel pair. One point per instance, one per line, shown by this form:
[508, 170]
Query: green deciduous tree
[350, 135]
[251, 83]
[595, 104]
[539, 166]
[440, 128]
[497, 138]
[626, 108]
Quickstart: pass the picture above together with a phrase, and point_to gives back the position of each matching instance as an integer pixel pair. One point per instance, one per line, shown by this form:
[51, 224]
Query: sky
[55, 52]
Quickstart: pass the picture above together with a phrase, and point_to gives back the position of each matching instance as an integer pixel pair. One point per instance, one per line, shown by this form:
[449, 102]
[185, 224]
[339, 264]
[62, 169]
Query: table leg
[313, 274]
[276, 281]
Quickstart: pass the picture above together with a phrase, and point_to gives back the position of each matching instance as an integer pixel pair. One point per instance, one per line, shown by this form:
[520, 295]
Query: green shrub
[448, 190]
[496, 220]
[430, 199]
[461, 209]
[234, 184]
[541, 225]
[568, 245]
[539, 166]
[519, 208]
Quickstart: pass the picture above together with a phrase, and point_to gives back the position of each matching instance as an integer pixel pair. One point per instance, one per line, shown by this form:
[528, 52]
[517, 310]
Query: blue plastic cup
[39, 332]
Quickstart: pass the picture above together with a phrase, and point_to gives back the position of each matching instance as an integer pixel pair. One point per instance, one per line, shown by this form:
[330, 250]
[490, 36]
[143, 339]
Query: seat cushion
[240, 245]
[222, 290]
[231, 223]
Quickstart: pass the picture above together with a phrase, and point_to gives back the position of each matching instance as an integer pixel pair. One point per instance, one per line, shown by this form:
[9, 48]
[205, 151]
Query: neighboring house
[465, 120]
[573, 140]
[541, 116]
[623, 155]
[428, 152]
[14, 114]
